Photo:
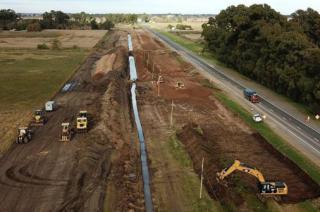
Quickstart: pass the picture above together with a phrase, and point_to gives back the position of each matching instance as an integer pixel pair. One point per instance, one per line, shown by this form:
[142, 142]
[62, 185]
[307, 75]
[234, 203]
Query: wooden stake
[201, 178]
[171, 116]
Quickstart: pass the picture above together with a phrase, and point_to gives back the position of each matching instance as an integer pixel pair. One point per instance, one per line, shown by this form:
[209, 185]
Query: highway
[304, 135]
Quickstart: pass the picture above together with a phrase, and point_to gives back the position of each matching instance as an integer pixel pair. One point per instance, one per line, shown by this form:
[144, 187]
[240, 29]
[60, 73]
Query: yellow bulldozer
[271, 189]
[66, 133]
[39, 118]
[82, 122]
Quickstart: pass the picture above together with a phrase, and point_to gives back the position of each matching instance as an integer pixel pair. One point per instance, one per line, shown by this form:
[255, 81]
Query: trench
[143, 150]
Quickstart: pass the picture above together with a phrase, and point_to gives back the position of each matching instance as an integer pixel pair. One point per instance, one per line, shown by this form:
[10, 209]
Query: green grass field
[29, 77]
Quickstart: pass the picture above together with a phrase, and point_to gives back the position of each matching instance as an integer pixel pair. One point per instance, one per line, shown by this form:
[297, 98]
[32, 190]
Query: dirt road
[49, 175]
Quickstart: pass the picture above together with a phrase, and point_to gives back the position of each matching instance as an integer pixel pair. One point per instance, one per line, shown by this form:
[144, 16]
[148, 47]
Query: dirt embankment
[48, 175]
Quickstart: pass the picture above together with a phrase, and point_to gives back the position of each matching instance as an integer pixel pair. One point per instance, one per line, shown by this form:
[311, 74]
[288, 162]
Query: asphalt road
[304, 135]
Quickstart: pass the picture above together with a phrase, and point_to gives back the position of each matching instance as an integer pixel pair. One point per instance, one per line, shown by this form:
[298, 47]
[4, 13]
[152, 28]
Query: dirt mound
[219, 151]
[104, 65]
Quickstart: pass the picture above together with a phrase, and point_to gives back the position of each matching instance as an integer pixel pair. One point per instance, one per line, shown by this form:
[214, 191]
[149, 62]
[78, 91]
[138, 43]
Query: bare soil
[218, 135]
[49, 175]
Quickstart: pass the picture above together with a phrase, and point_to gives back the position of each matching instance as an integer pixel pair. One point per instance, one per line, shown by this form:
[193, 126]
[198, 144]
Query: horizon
[188, 7]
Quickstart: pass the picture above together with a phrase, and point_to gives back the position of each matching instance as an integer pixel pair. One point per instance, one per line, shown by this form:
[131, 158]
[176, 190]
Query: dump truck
[266, 188]
[251, 95]
[24, 135]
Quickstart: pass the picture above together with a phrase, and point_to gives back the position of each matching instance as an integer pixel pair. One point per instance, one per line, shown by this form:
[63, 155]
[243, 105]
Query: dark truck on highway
[251, 95]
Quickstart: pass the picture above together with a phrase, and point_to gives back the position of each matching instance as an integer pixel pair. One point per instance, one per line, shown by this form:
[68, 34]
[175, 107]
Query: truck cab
[251, 95]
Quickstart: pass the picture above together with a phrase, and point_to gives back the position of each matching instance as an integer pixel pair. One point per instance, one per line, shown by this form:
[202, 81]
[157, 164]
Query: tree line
[278, 51]
[9, 20]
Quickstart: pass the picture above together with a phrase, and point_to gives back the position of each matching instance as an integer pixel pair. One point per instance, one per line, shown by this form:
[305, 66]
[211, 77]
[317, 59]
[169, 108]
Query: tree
[94, 24]
[309, 22]
[47, 20]
[8, 19]
[54, 19]
[107, 25]
[261, 44]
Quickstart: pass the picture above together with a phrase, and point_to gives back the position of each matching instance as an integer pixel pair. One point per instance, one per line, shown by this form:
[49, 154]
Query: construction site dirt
[182, 103]
[49, 175]
[100, 170]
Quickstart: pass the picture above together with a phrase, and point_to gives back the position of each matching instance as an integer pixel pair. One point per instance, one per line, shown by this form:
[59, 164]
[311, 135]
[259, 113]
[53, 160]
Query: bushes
[107, 25]
[34, 27]
[42, 46]
[56, 44]
[183, 27]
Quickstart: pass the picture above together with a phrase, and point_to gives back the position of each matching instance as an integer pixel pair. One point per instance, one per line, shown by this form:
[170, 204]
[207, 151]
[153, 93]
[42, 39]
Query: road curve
[306, 135]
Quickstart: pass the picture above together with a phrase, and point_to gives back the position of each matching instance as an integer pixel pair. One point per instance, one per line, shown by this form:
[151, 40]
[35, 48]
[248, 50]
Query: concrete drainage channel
[143, 151]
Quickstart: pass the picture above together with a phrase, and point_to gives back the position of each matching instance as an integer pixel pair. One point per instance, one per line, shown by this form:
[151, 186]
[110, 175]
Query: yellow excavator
[266, 188]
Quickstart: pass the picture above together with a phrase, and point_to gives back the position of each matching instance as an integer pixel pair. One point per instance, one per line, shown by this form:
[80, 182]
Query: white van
[50, 106]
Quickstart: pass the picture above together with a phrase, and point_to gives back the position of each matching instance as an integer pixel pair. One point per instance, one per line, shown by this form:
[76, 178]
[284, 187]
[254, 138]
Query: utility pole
[171, 116]
[158, 86]
[152, 70]
[147, 59]
[201, 177]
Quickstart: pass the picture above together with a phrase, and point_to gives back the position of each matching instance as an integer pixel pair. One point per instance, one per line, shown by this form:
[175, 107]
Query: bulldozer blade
[37, 124]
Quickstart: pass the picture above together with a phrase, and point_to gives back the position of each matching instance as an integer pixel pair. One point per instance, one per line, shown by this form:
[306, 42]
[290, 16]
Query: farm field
[68, 38]
[196, 26]
[28, 79]
[30, 76]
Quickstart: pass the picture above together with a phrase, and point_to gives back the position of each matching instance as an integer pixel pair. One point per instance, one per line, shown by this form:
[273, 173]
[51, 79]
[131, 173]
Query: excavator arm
[266, 188]
[237, 165]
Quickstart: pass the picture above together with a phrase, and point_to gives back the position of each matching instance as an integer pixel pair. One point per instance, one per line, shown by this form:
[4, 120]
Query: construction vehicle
[251, 95]
[39, 118]
[50, 106]
[66, 133]
[24, 135]
[179, 84]
[266, 188]
[82, 122]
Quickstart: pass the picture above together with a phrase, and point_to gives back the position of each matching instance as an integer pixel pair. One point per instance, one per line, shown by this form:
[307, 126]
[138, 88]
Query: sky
[147, 6]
